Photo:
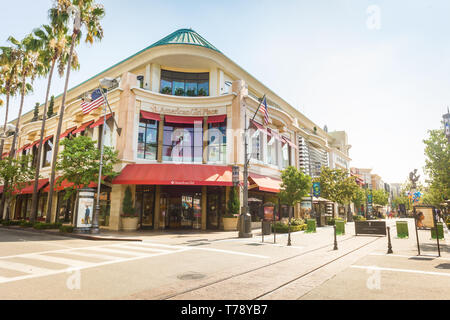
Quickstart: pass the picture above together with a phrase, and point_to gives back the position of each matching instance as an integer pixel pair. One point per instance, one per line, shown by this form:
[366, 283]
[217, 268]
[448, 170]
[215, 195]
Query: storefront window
[48, 149]
[217, 142]
[286, 155]
[34, 160]
[256, 144]
[41, 205]
[65, 208]
[183, 142]
[272, 150]
[105, 208]
[184, 84]
[148, 139]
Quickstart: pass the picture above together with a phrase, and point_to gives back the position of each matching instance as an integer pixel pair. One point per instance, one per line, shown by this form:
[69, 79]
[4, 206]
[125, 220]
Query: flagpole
[254, 116]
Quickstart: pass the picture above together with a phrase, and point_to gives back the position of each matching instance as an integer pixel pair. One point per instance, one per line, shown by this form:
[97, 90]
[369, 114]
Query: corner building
[181, 105]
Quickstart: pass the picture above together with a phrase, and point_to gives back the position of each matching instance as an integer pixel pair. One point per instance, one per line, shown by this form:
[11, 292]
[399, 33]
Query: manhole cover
[191, 276]
[421, 258]
[255, 244]
[197, 244]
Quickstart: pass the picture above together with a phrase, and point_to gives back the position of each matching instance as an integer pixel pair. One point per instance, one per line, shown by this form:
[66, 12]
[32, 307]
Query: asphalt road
[39, 266]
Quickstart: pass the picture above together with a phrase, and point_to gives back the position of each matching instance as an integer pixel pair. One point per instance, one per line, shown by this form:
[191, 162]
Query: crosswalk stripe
[95, 255]
[25, 268]
[69, 262]
[119, 251]
[142, 249]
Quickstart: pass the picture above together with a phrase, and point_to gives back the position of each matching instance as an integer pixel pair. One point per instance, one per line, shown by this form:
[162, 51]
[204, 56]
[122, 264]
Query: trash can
[340, 227]
[311, 226]
[402, 229]
[266, 228]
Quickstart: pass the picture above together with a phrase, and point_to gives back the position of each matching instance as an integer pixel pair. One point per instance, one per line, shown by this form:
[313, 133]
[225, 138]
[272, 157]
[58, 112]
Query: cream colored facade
[232, 92]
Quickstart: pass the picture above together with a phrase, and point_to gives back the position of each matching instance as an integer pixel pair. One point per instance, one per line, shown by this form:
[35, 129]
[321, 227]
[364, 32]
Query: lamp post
[447, 124]
[105, 83]
[245, 218]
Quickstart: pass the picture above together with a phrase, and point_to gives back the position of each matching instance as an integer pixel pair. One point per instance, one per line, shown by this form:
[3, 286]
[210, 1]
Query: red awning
[175, 174]
[185, 120]
[150, 116]
[5, 154]
[68, 131]
[29, 187]
[100, 121]
[266, 183]
[289, 142]
[46, 139]
[66, 184]
[32, 145]
[23, 148]
[217, 119]
[260, 127]
[83, 127]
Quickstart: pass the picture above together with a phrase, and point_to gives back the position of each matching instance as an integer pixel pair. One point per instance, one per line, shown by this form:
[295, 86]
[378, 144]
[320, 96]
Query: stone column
[126, 117]
[204, 208]
[117, 194]
[160, 139]
[205, 140]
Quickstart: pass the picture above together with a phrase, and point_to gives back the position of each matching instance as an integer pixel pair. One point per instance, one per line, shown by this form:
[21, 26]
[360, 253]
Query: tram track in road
[172, 296]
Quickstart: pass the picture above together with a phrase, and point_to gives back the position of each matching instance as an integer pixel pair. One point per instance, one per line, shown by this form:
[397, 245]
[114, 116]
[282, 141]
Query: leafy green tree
[127, 208]
[233, 205]
[294, 187]
[359, 198]
[79, 163]
[337, 185]
[380, 197]
[14, 175]
[87, 16]
[437, 166]
[36, 112]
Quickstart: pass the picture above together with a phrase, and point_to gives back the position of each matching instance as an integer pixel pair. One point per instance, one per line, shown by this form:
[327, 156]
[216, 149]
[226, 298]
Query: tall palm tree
[9, 68]
[28, 67]
[87, 15]
[53, 46]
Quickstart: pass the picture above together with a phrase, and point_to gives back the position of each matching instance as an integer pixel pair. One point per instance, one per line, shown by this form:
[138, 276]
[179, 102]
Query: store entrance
[145, 206]
[181, 208]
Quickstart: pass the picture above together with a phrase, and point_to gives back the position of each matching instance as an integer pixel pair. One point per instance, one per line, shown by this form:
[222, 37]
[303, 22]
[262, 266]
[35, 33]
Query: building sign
[316, 189]
[268, 213]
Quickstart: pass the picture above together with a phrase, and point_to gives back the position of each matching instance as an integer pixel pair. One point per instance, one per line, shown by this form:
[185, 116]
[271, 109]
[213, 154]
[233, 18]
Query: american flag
[263, 108]
[97, 101]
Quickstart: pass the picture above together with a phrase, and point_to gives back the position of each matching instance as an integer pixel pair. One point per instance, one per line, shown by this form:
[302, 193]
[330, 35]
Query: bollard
[289, 235]
[389, 241]
[262, 230]
[335, 239]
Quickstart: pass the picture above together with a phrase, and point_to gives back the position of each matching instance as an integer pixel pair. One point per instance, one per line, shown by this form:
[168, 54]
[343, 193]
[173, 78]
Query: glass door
[213, 211]
[187, 211]
[148, 207]
[163, 213]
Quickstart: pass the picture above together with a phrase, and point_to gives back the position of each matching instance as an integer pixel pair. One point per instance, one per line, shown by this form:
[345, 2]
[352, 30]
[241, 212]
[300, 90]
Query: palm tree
[53, 46]
[87, 15]
[9, 67]
[28, 67]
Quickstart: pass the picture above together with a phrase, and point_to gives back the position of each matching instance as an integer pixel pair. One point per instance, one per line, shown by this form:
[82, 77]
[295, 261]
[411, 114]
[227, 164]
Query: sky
[380, 70]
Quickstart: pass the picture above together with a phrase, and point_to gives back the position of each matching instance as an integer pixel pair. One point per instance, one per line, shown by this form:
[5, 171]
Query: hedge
[66, 229]
[11, 223]
[284, 228]
[42, 226]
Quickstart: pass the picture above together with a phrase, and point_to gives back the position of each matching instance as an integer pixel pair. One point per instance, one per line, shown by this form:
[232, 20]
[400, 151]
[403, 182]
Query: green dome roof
[185, 36]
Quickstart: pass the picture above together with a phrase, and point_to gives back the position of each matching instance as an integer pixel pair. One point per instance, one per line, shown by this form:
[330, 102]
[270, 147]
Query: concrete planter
[230, 224]
[130, 223]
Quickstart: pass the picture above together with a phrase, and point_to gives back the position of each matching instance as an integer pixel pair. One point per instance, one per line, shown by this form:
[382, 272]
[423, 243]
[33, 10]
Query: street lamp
[245, 230]
[447, 124]
[105, 83]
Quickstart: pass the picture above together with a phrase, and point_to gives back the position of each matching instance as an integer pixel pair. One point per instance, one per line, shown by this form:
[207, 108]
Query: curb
[69, 235]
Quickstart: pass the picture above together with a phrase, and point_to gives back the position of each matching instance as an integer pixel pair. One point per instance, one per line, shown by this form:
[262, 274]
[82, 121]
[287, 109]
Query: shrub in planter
[179, 92]
[11, 223]
[26, 224]
[284, 228]
[166, 90]
[66, 229]
[297, 222]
